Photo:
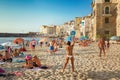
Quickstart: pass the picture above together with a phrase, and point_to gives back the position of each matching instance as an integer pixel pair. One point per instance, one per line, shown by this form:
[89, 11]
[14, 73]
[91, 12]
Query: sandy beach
[88, 65]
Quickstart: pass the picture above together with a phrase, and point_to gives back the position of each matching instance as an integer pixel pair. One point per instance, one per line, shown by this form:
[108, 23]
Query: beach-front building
[87, 26]
[48, 30]
[68, 26]
[104, 18]
[60, 31]
[77, 26]
[118, 17]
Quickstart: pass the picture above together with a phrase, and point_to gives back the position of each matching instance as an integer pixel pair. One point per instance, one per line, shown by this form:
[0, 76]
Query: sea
[10, 39]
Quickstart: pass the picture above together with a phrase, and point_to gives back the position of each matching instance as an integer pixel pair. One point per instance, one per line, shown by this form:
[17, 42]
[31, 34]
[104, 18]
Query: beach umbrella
[114, 38]
[83, 38]
[18, 40]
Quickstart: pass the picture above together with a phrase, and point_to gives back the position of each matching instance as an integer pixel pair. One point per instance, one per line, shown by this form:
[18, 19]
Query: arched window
[107, 10]
[107, 0]
[106, 20]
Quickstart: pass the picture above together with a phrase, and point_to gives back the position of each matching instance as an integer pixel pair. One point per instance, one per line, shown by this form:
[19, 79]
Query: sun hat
[28, 57]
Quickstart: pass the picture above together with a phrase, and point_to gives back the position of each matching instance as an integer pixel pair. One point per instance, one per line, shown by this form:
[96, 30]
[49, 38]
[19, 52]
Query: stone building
[88, 26]
[77, 26]
[60, 31]
[104, 18]
[118, 17]
[68, 26]
[48, 30]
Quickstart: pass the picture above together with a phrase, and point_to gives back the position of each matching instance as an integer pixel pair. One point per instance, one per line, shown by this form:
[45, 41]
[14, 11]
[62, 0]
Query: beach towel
[43, 67]
[17, 60]
[7, 75]
[2, 75]
[22, 55]
[2, 62]
[17, 73]
[1, 70]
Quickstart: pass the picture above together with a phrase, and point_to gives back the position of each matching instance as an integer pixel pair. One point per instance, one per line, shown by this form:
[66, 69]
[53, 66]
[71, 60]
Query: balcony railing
[107, 15]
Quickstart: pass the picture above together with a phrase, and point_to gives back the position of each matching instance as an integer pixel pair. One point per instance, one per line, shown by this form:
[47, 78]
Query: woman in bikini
[69, 55]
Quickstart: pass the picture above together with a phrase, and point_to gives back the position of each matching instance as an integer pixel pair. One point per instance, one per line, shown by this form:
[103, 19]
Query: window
[106, 32]
[106, 20]
[107, 10]
[107, 0]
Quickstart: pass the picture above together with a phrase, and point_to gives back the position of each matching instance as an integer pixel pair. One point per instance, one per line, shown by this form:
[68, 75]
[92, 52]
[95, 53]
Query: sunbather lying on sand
[29, 63]
[36, 61]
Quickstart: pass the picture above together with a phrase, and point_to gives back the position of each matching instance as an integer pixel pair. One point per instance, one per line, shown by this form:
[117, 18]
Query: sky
[22, 16]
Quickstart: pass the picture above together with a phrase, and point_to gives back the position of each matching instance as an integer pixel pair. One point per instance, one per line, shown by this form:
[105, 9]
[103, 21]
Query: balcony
[107, 15]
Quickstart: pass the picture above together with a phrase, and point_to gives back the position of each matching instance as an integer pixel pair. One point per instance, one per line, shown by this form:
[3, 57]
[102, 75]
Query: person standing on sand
[33, 44]
[31, 47]
[69, 55]
[41, 43]
[101, 45]
[51, 47]
[108, 44]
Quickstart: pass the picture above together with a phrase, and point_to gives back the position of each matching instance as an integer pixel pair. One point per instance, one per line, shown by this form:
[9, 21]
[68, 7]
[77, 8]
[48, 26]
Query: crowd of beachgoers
[49, 60]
